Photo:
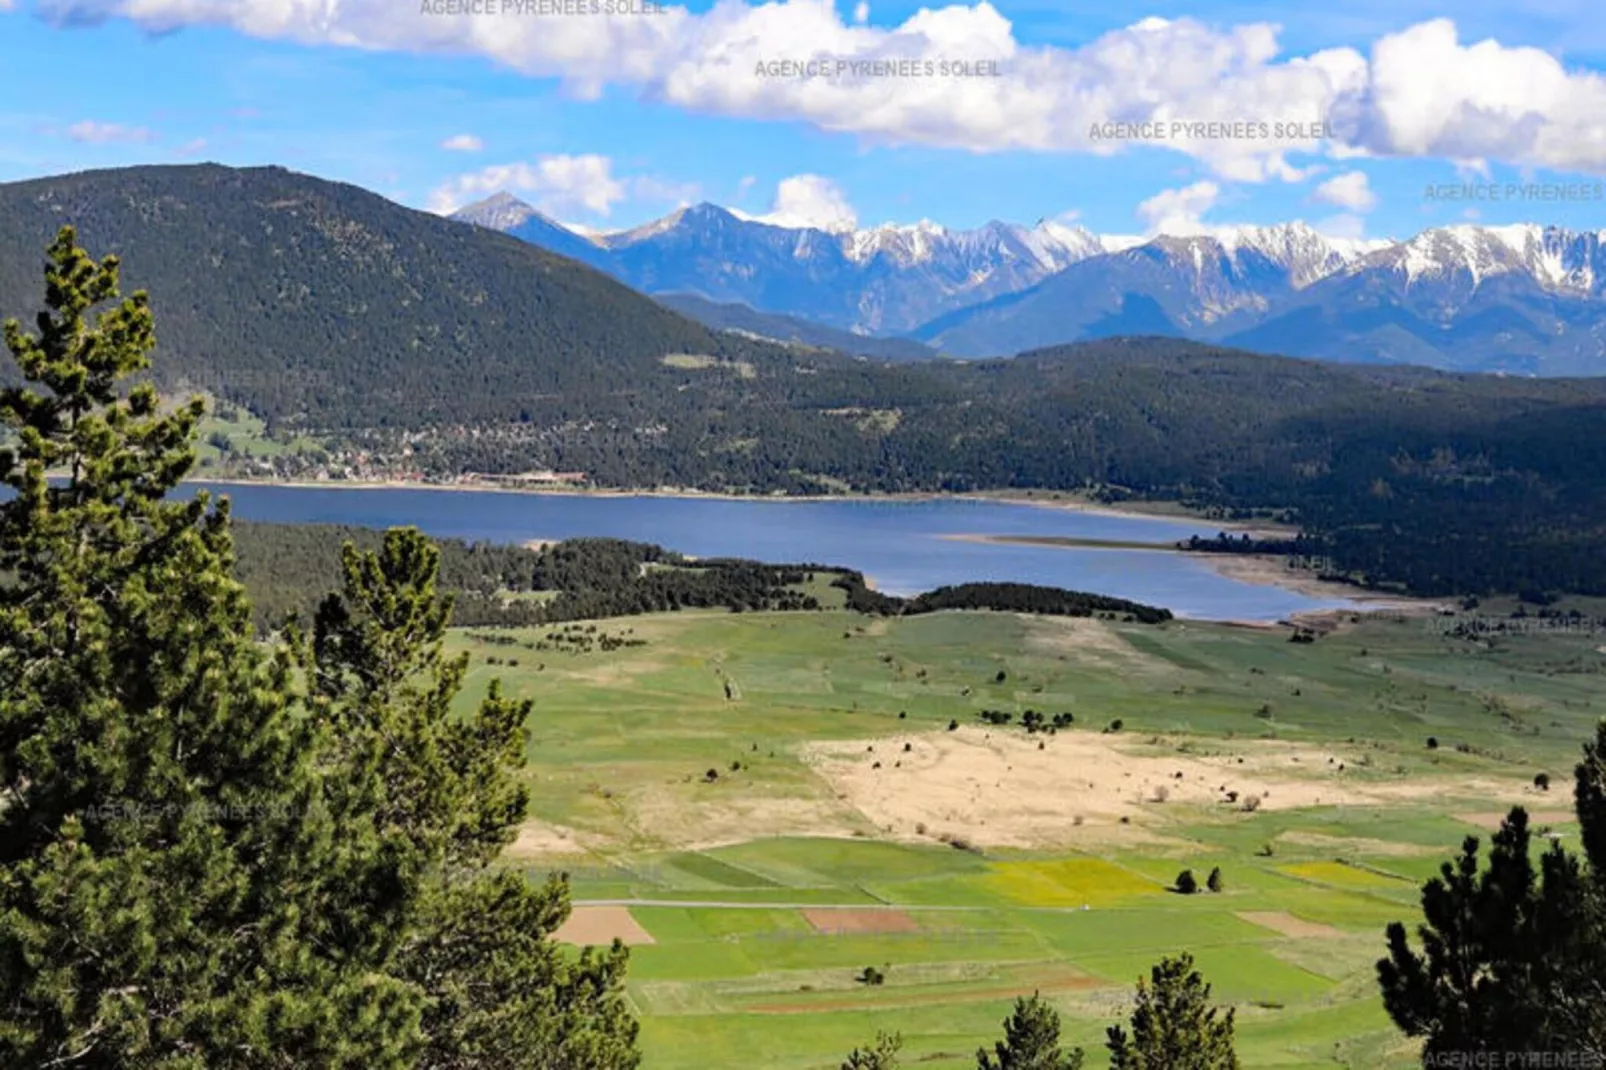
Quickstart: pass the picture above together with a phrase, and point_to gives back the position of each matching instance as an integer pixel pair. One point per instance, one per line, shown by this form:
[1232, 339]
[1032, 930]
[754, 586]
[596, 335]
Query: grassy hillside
[826, 839]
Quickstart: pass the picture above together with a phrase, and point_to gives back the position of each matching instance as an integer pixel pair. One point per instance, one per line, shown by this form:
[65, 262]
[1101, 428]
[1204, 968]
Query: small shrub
[1542, 781]
[1251, 804]
[1213, 882]
[1433, 743]
[1162, 793]
[1186, 883]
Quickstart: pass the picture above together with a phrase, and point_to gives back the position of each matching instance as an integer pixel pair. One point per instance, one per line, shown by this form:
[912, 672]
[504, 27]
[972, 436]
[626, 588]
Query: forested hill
[322, 301]
[416, 343]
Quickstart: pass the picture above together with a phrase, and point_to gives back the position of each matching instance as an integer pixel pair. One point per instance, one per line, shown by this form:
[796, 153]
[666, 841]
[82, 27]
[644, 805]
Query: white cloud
[192, 147]
[1348, 190]
[861, 12]
[94, 133]
[1418, 92]
[744, 185]
[810, 201]
[557, 185]
[1178, 211]
[463, 143]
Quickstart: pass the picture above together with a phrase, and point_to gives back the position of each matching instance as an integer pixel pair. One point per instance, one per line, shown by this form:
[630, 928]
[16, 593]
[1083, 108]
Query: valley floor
[763, 804]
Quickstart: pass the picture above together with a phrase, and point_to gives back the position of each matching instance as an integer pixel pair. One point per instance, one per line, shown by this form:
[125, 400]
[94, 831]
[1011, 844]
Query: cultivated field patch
[1070, 882]
[1342, 875]
[592, 926]
[1490, 820]
[1357, 845]
[1288, 925]
[835, 921]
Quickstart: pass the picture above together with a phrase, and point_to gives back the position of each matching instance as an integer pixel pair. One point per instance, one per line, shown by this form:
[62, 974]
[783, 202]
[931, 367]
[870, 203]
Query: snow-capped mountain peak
[1557, 259]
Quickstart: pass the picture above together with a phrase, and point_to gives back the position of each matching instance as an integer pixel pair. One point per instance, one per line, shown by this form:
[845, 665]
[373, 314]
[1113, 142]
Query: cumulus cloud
[557, 185]
[1178, 211]
[192, 147]
[1349, 190]
[810, 201]
[94, 133]
[463, 143]
[1418, 92]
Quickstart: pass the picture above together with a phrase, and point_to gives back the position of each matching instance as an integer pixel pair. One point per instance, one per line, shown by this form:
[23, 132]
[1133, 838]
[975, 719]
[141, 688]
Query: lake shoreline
[1268, 570]
[1148, 510]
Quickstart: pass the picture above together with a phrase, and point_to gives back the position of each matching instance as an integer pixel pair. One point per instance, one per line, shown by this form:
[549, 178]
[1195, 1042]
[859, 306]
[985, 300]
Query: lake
[898, 544]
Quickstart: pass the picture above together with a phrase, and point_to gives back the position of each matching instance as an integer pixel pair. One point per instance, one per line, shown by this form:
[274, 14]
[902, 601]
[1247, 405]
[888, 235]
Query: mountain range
[1522, 299]
[416, 344]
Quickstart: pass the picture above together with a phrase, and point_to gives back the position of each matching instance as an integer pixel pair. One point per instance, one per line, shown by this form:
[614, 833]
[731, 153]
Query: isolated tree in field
[215, 853]
[1214, 882]
[1031, 1041]
[1186, 882]
[1174, 1026]
[882, 1055]
[1513, 955]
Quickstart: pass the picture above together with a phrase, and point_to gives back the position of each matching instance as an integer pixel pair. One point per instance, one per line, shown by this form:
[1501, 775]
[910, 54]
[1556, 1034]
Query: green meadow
[738, 783]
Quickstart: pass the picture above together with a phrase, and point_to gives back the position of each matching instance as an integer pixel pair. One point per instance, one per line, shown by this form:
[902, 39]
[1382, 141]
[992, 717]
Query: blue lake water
[898, 544]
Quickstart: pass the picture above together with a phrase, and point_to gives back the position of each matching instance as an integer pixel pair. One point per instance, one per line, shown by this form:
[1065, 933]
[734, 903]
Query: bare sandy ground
[1288, 925]
[540, 839]
[1269, 570]
[599, 926]
[998, 789]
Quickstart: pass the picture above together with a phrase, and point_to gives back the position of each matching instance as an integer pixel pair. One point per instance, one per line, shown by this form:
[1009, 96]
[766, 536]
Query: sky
[1366, 118]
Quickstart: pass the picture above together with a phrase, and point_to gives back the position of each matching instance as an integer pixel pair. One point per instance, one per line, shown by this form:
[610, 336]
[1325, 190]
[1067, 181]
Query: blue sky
[611, 120]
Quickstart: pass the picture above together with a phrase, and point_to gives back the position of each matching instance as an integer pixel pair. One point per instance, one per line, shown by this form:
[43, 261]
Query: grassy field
[779, 801]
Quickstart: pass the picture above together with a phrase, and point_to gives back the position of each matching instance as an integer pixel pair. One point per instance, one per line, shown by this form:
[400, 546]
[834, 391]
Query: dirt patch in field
[997, 789]
[837, 921]
[1288, 925]
[717, 815]
[600, 926]
[1490, 820]
[539, 839]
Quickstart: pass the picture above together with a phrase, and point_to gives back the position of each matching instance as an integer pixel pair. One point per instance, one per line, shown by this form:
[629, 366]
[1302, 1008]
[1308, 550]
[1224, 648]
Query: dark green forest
[289, 568]
[328, 310]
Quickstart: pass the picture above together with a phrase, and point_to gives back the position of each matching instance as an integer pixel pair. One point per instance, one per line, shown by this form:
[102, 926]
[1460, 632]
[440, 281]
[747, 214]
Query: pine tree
[882, 1055]
[218, 854]
[428, 801]
[1513, 957]
[1174, 1026]
[1031, 1041]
